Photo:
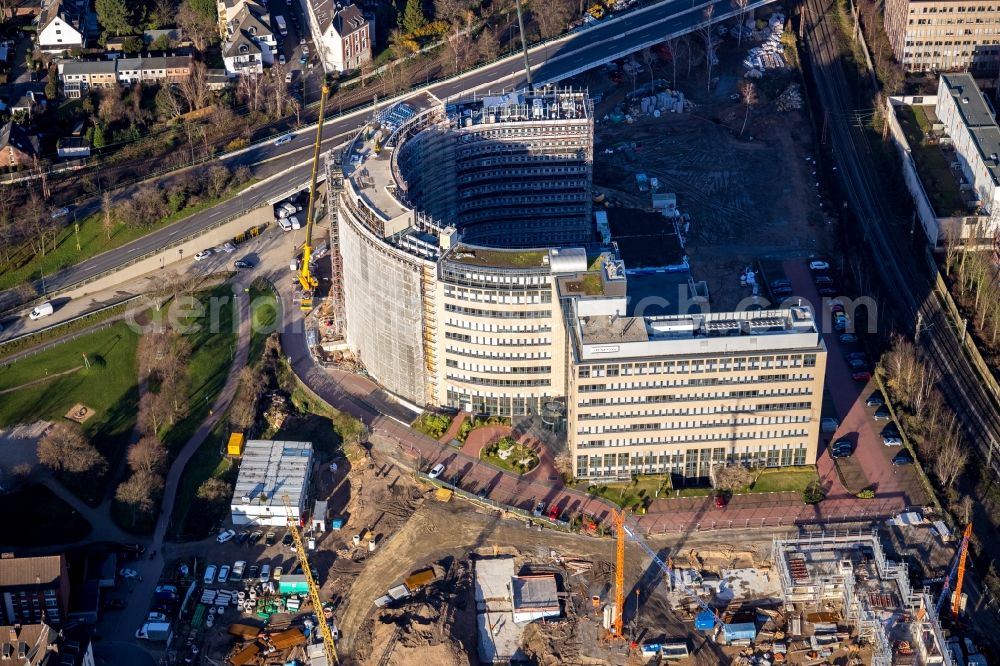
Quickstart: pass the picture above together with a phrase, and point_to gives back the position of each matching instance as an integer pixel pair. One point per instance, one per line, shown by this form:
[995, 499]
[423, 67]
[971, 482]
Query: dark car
[891, 430]
[242, 537]
[842, 448]
[270, 538]
[858, 364]
[241, 264]
[882, 414]
[781, 292]
[254, 538]
[252, 572]
[861, 376]
[902, 458]
[287, 540]
[875, 399]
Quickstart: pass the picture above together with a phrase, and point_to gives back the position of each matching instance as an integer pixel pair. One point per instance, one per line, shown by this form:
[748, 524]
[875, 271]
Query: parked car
[860, 356]
[281, 58]
[282, 140]
[44, 310]
[287, 541]
[276, 576]
[269, 539]
[539, 510]
[819, 266]
[288, 77]
[204, 254]
[861, 376]
[238, 568]
[882, 414]
[857, 364]
[284, 224]
[842, 448]
[59, 212]
[848, 338]
[228, 248]
[436, 471]
[777, 284]
[128, 573]
[224, 573]
[902, 458]
[303, 59]
[875, 399]
[225, 535]
[265, 573]
[241, 264]
[242, 537]
[157, 617]
[252, 572]
[209, 576]
[829, 424]
[254, 537]
[892, 440]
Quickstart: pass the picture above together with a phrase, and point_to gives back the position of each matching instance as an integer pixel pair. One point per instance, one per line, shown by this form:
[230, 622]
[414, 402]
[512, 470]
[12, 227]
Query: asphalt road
[556, 61]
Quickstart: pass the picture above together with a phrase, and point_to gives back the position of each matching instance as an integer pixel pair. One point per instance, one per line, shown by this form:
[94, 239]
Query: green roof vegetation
[500, 258]
[590, 284]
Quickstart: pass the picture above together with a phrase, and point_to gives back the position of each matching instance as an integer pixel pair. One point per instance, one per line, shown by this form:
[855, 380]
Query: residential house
[27, 101]
[218, 79]
[41, 645]
[16, 149]
[228, 9]
[342, 37]
[117, 44]
[62, 25]
[88, 74]
[32, 589]
[250, 43]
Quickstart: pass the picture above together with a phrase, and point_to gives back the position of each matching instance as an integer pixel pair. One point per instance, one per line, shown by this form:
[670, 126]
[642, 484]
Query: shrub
[236, 144]
[813, 494]
[867, 493]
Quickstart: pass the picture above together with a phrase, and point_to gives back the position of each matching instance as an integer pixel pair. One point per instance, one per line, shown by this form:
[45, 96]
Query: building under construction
[838, 579]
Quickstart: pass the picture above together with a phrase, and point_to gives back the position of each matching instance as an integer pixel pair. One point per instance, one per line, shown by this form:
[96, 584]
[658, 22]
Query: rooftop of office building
[542, 104]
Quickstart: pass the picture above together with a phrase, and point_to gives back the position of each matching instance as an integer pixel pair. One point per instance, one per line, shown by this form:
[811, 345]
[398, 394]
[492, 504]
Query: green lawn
[263, 317]
[207, 462]
[793, 479]
[93, 241]
[109, 386]
[43, 519]
[637, 493]
[213, 344]
[932, 166]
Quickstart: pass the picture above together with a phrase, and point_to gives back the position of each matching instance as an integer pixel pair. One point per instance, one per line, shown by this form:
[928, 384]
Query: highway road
[555, 61]
[902, 272]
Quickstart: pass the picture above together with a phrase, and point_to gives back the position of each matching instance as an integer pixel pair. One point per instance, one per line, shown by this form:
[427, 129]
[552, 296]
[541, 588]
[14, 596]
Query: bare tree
[648, 58]
[153, 412]
[741, 7]
[106, 207]
[673, 43]
[196, 25]
[732, 477]
[708, 38]
[148, 455]
[488, 45]
[551, 16]
[451, 11]
[963, 509]
[140, 493]
[748, 94]
[951, 458]
[214, 490]
[65, 448]
[459, 47]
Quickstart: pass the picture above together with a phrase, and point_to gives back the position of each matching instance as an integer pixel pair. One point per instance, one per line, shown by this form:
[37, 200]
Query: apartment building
[944, 35]
[970, 124]
[33, 590]
[250, 42]
[342, 35]
[77, 76]
[62, 25]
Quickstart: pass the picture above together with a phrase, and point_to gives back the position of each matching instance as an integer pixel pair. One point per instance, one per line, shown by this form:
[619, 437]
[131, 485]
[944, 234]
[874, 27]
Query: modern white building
[61, 26]
[270, 471]
[969, 121]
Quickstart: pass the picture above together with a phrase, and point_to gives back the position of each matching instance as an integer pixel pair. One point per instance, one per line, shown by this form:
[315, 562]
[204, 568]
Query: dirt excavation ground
[749, 197]
[438, 625]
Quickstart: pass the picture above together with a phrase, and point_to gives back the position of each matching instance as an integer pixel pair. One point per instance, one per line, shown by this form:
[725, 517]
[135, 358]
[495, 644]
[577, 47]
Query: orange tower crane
[616, 625]
[956, 603]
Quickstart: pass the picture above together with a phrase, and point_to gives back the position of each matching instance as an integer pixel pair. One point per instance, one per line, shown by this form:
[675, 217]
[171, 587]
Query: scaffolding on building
[335, 185]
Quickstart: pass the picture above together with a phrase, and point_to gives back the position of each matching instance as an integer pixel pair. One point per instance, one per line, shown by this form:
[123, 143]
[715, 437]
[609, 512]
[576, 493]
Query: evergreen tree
[413, 16]
[116, 16]
[99, 140]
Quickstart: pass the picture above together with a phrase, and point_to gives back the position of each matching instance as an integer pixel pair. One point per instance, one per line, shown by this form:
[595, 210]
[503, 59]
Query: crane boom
[663, 565]
[616, 626]
[306, 278]
[957, 565]
[324, 627]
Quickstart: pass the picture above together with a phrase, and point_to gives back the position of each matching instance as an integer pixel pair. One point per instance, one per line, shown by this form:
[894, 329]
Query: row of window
[694, 411]
[498, 342]
[499, 356]
[681, 425]
[688, 439]
[497, 314]
[960, 9]
[532, 297]
[499, 369]
[685, 397]
[500, 405]
[695, 365]
[495, 328]
[713, 381]
[688, 464]
[506, 383]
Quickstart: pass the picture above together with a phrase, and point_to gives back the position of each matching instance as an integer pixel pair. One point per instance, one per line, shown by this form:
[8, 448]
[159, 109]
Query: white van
[284, 224]
[43, 310]
[294, 221]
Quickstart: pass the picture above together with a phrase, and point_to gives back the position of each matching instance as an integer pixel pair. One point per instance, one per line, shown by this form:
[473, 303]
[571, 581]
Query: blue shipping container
[744, 631]
[704, 621]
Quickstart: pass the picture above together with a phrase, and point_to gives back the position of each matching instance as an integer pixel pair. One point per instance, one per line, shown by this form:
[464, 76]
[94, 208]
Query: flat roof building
[269, 471]
[34, 589]
[943, 35]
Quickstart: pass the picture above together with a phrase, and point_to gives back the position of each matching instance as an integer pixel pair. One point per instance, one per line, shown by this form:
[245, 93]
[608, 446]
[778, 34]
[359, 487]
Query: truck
[282, 28]
[154, 631]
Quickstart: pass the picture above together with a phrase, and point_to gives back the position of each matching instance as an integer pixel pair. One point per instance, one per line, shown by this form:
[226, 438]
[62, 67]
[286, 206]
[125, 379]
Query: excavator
[306, 278]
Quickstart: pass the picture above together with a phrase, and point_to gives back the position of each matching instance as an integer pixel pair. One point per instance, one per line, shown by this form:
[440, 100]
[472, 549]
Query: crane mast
[324, 627]
[307, 280]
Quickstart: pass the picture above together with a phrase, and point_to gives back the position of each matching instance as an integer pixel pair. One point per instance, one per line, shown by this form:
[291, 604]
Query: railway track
[896, 261]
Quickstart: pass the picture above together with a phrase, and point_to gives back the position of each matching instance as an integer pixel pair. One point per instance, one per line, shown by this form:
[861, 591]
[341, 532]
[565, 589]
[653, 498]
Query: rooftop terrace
[548, 103]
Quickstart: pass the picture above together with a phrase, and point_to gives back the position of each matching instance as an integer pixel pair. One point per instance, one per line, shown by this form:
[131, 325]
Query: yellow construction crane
[324, 626]
[616, 624]
[306, 278]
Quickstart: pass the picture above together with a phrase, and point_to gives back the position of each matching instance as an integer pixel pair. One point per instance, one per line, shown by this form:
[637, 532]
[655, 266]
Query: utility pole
[524, 43]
